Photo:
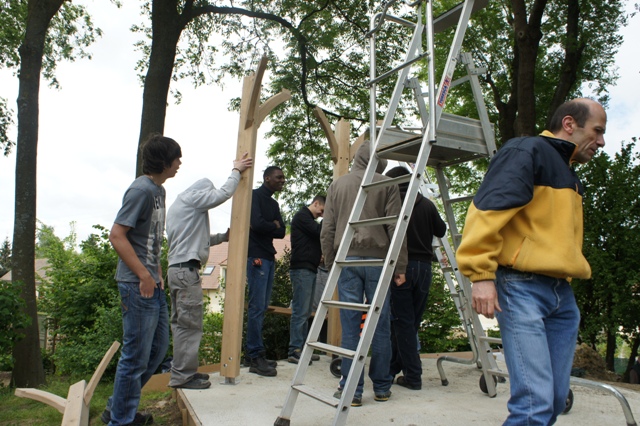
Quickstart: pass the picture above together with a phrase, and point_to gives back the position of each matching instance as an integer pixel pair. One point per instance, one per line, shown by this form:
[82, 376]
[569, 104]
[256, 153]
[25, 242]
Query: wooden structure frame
[252, 113]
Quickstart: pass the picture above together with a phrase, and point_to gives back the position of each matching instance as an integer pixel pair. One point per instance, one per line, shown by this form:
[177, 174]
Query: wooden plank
[238, 246]
[55, 401]
[97, 375]
[77, 412]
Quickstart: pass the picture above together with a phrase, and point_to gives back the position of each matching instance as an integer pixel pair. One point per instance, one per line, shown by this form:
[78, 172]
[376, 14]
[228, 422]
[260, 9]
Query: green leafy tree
[12, 320]
[441, 329]
[5, 257]
[610, 301]
[80, 298]
[42, 32]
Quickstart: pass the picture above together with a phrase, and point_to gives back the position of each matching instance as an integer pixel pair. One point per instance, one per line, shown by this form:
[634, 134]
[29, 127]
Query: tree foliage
[610, 300]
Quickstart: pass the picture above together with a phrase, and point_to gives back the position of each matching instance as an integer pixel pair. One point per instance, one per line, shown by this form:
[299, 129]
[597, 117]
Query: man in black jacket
[305, 258]
[409, 300]
[266, 224]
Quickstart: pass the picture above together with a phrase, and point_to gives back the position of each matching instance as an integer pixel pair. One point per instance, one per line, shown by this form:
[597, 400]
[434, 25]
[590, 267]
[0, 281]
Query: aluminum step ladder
[421, 146]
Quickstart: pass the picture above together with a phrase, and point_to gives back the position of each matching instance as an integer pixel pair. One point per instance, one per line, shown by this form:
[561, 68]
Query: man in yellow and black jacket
[522, 245]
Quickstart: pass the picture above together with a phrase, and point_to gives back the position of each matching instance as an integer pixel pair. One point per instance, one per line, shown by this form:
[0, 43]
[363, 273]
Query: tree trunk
[573, 54]
[166, 29]
[527, 37]
[632, 358]
[28, 370]
[610, 354]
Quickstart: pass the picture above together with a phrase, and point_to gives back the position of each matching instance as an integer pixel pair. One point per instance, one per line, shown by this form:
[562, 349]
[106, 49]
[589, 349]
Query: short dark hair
[320, 198]
[576, 108]
[158, 152]
[269, 171]
[397, 172]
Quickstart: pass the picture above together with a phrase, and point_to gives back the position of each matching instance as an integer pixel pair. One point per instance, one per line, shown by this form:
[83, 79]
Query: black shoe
[194, 383]
[315, 357]
[294, 358]
[139, 419]
[402, 381]
[203, 376]
[246, 362]
[261, 367]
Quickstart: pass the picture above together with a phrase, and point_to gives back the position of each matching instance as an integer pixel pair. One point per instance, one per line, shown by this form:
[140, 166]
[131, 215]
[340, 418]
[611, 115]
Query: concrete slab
[257, 400]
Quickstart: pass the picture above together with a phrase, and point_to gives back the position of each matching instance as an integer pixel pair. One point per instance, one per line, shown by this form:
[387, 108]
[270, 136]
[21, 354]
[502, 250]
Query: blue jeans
[408, 303]
[354, 285]
[145, 340]
[303, 282]
[539, 327]
[260, 281]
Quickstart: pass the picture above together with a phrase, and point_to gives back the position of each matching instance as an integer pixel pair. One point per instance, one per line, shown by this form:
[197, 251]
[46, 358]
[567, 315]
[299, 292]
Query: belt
[189, 264]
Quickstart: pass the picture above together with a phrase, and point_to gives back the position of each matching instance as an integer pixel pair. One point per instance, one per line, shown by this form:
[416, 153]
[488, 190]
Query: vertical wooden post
[342, 152]
[251, 116]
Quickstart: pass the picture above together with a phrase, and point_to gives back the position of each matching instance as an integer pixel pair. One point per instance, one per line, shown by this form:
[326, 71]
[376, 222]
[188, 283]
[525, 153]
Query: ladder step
[386, 182]
[498, 373]
[376, 221]
[360, 262]
[337, 350]
[488, 339]
[346, 305]
[309, 391]
[460, 199]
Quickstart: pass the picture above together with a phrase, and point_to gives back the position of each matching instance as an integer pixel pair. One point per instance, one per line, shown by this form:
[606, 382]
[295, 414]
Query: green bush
[81, 354]
[12, 319]
[211, 344]
[441, 328]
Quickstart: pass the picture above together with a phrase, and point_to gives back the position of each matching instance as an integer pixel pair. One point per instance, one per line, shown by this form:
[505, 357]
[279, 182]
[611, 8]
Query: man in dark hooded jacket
[409, 300]
[357, 284]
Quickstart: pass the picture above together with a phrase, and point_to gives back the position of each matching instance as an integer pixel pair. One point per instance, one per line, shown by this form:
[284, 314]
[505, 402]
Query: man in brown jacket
[359, 283]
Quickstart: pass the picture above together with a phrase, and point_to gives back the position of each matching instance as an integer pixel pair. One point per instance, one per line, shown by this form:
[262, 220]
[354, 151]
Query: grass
[21, 411]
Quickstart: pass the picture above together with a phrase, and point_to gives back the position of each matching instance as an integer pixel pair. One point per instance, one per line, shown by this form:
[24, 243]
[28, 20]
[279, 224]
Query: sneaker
[402, 381]
[203, 376]
[139, 419]
[355, 402]
[246, 362]
[194, 383]
[383, 396]
[261, 367]
[294, 358]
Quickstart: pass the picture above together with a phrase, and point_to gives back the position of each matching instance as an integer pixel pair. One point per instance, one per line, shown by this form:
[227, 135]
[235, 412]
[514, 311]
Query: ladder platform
[363, 307]
[309, 391]
[336, 350]
[451, 16]
[460, 139]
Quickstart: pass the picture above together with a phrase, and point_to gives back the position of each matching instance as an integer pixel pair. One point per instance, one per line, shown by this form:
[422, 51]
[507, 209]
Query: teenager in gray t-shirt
[143, 210]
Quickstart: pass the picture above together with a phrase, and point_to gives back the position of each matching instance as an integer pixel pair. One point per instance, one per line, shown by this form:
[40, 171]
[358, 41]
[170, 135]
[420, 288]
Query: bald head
[583, 122]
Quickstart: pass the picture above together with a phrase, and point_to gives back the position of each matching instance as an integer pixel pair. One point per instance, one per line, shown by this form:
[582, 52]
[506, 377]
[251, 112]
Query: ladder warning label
[444, 91]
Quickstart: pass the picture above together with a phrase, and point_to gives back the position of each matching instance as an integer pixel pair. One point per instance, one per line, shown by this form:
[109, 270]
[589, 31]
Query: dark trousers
[408, 303]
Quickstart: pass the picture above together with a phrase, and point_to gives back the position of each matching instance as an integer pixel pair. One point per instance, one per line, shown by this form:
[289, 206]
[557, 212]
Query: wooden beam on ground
[251, 116]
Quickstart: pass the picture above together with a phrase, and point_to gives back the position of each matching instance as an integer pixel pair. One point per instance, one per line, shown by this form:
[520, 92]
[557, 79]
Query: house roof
[41, 266]
[218, 256]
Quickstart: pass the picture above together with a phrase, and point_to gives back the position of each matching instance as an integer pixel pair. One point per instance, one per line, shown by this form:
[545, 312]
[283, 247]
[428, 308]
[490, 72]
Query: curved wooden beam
[97, 375]
[331, 137]
[355, 146]
[255, 91]
[55, 401]
[268, 105]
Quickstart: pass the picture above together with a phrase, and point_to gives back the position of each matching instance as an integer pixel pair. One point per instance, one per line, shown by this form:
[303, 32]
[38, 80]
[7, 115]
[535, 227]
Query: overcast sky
[89, 129]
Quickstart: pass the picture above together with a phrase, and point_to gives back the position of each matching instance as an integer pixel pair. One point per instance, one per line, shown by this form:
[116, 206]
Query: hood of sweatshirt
[361, 159]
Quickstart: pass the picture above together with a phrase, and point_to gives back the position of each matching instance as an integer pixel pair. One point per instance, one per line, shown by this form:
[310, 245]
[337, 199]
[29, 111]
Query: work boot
[246, 362]
[139, 419]
[261, 367]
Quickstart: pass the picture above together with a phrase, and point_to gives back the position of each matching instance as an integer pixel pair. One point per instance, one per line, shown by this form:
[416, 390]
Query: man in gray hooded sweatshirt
[189, 241]
[357, 284]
